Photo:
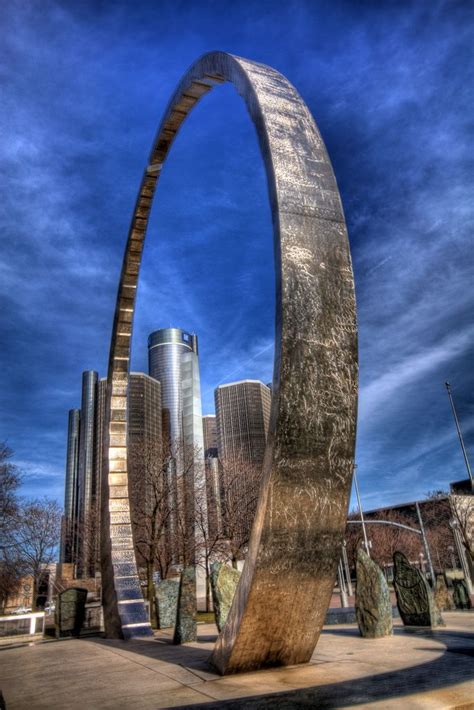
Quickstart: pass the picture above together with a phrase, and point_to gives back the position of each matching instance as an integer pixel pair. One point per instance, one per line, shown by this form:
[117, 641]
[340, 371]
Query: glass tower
[243, 416]
[86, 478]
[173, 360]
[70, 491]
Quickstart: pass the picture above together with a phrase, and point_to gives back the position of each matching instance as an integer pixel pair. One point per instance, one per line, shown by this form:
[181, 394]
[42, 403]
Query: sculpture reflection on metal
[283, 594]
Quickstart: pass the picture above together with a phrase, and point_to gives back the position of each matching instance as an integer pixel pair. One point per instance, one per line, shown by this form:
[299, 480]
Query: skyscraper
[242, 416]
[86, 480]
[173, 360]
[80, 534]
[214, 511]
[144, 455]
[69, 520]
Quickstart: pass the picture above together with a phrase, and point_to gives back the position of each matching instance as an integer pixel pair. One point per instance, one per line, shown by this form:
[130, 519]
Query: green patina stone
[415, 599]
[372, 601]
[167, 602]
[461, 594]
[224, 581]
[186, 627]
[70, 611]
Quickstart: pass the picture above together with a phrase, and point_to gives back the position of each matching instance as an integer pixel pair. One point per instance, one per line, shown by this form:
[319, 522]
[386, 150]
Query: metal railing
[33, 616]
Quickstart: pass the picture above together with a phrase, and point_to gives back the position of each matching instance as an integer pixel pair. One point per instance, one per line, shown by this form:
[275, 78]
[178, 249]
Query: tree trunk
[208, 588]
[150, 586]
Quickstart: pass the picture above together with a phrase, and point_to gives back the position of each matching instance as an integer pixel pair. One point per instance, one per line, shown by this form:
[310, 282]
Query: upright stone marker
[185, 629]
[460, 594]
[299, 525]
[70, 611]
[167, 592]
[224, 581]
[415, 599]
[372, 600]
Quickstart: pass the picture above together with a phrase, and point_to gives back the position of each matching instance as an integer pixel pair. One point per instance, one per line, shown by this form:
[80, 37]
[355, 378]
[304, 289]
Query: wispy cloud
[83, 87]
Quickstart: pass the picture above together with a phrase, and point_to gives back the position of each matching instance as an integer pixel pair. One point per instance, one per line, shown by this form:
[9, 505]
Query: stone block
[415, 599]
[460, 594]
[70, 611]
[224, 581]
[186, 628]
[167, 602]
[372, 599]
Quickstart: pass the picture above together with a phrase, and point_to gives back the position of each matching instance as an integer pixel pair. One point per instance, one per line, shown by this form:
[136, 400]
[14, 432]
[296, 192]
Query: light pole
[458, 429]
[342, 587]
[366, 542]
[425, 545]
[454, 525]
[346, 568]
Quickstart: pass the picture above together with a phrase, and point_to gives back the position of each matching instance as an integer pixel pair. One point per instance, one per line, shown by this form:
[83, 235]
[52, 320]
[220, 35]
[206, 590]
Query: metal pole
[366, 542]
[458, 429]
[340, 577]
[461, 553]
[346, 567]
[425, 545]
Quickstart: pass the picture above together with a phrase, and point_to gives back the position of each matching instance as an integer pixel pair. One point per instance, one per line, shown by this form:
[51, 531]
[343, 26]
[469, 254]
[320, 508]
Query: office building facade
[144, 452]
[242, 418]
[214, 507]
[80, 534]
[69, 519]
[87, 478]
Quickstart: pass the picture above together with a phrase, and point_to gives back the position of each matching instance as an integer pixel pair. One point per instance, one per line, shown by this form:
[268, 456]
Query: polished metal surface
[285, 588]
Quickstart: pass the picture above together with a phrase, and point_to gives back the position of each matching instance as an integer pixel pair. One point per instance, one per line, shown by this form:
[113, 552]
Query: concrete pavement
[409, 670]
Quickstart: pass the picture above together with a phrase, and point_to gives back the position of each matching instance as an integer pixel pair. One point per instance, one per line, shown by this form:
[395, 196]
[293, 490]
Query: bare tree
[151, 507]
[240, 487]
[462, 509]
[211, 544]
[35, 537]
[385, 539]
[162, 509]
[10, 480]
[11, 568]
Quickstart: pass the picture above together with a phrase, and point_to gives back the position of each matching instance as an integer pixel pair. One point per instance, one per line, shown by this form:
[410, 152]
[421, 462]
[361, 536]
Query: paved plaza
[409, 670]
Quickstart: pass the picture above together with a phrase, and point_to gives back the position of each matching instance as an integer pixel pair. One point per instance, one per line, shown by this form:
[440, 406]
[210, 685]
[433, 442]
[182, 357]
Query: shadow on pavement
[454, 666]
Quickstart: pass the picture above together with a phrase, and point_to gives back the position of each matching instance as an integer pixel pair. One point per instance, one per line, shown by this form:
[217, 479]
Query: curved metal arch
[289, 574]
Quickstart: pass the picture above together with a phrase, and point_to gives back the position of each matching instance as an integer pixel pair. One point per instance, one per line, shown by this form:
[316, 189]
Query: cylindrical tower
[173, 360]
[166, 350]
[70, 490]
[86, 478]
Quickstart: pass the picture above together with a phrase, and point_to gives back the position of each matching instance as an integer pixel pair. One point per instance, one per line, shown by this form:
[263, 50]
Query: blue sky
[83, 87]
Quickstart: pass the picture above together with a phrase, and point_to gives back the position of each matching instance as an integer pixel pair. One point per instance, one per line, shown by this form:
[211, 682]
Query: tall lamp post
[458, 429]
[366, 542]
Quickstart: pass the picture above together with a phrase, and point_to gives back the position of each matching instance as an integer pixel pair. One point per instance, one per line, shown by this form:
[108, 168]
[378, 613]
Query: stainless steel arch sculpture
[284, 592]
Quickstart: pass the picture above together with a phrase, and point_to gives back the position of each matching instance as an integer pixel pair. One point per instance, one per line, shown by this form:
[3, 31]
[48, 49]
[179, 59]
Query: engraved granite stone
[186, 627]
[306, 480]
[415, 599]
[443, 597]
[70, 611]
[224, 581]
[167, 602]
[460, 594]
[372, 599]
